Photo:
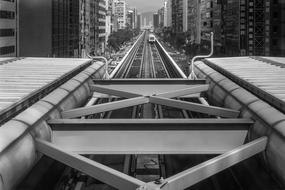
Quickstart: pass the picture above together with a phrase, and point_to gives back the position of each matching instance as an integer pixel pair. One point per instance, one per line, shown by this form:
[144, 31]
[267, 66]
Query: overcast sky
[146, 5]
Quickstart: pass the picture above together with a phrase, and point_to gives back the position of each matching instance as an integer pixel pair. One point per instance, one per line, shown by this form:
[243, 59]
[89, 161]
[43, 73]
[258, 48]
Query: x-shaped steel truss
[72, 137]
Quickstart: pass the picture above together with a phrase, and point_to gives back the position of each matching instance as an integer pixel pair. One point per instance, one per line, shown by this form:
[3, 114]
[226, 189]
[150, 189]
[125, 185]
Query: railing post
[106, 76]
[192, 75]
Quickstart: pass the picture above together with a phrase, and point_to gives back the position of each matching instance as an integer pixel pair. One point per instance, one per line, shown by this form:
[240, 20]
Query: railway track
[146, 61]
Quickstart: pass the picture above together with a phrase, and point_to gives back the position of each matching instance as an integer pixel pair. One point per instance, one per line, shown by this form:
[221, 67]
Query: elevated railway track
[148, 127]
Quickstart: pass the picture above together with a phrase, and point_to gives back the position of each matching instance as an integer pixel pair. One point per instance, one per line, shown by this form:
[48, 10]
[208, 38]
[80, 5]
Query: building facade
[8, 28]
[155, 20]
[177, 16]
[135, 18]
[57, 36]
[165, 22]
[130, 19]
[253, 27]
[211, 22]
[161, 17]
[87, 39]
[121, 13]
[234, 28]
[168, 13]
[139, 21]
[192, 20]
[108, 23]
[277, 28]
[71, 28]
[100, 31]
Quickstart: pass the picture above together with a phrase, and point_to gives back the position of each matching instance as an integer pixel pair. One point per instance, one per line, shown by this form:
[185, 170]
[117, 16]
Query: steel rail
[153, 47]
[128, 60]
[121, 63]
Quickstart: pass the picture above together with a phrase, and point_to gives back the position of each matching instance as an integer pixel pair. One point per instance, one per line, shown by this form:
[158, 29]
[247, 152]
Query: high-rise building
[115, 23]
[144, 22]
[211, 22]
[92, 27]
[161, 17]
[108, 25]
[135, 18]
[168, 13]
[253, 27]
[232, 38]
[277, 28]
[192, 20]
[165, 14]
[49, 30]
[139, 21]
[61, 28]
[8, 28]
[100, 11]
[87, 40]
[177, 15]
[130, 19]
[121, 12]
[155, 20]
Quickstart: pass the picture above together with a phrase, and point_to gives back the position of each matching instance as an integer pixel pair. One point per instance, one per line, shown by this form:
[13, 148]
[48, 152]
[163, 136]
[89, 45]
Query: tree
[117, 39]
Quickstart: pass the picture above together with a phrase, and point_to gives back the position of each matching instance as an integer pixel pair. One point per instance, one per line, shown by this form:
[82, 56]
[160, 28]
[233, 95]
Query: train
[151, 38]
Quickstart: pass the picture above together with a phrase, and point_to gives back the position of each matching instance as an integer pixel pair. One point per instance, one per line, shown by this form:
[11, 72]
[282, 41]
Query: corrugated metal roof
[264, 76]
[21, 77]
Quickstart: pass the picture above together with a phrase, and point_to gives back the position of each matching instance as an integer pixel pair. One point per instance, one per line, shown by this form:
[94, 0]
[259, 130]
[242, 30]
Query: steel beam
[114, 92]
[132, 90]
[213, 166]
[211, 110]
[152, 81]
[99, 108]
[150, 141]
[182, 92]
[94, 169]
[148, 124]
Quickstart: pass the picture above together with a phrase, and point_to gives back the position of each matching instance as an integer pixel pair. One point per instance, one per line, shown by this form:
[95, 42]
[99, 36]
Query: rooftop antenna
[192, 75]
[106, 76]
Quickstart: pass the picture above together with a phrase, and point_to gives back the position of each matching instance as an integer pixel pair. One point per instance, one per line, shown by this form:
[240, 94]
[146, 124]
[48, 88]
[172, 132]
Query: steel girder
[159, 136]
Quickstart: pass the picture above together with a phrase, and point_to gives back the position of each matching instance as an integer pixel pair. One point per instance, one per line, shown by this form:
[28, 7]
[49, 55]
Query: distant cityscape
[75, 28]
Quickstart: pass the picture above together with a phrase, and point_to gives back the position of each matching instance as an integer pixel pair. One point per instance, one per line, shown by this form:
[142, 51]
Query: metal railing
[192, 75]
[106, 76]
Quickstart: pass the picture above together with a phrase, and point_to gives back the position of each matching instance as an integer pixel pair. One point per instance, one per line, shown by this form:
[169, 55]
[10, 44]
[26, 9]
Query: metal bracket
[155, 185]
[192, 75]
[106, 76]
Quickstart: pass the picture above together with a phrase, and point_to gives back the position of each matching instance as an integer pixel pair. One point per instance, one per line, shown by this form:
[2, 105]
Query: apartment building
[177, 16]
[8, 28]
[120, 10]
[160, 13]
[192, 20]
[49, 30]
[155, 20]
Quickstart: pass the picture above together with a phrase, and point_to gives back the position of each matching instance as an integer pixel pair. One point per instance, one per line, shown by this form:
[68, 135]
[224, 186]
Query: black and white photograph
[142, 94]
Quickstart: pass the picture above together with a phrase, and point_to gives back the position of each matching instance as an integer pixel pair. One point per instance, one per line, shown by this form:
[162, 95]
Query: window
[7, 50]
[8, 0]
[7, 14]
[7, 32]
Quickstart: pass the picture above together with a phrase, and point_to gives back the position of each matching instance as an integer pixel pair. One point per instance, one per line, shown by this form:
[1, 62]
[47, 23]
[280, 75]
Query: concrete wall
[35, 28]
[268, 121]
